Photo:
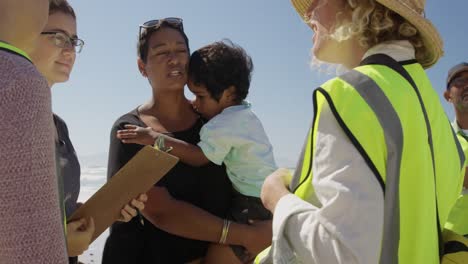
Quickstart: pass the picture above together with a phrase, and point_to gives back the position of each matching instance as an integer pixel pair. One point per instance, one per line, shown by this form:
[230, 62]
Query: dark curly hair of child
[219, 66]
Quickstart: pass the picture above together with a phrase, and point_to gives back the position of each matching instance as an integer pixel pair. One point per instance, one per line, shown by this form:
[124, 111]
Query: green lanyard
[6, 46]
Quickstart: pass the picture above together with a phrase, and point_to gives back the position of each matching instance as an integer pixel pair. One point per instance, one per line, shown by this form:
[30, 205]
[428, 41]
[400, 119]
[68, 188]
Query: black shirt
[69, 167]
[206, 187]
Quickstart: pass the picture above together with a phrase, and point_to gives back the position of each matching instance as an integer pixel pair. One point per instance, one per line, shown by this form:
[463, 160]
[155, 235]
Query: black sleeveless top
[139, 241]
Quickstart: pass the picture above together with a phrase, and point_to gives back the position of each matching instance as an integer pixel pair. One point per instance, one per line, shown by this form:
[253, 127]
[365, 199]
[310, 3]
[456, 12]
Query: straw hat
[411, 10]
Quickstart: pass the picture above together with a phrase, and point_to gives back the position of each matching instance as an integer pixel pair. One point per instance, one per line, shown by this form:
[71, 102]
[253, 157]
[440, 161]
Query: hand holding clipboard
[145, 169]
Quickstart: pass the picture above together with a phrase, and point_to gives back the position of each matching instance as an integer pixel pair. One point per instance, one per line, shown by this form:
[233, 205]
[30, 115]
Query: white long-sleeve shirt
[345, 225]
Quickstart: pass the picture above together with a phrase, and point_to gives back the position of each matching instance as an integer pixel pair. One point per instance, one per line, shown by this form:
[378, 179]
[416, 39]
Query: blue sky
[106, 83]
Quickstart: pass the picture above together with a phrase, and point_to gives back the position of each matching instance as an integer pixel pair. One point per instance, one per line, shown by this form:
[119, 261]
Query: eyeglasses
[62, 40]
[156, 23]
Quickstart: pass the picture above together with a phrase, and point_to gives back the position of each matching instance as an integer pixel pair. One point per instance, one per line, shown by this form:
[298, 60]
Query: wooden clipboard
[145, 169]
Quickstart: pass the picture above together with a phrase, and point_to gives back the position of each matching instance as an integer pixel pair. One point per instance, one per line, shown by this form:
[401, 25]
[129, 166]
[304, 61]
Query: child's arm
[187, 153]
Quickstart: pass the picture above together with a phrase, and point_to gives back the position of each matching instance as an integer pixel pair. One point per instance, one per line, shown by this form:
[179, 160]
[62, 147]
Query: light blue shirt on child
[237, 138]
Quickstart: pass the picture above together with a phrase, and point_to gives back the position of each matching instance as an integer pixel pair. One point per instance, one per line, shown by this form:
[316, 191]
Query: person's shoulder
[17, 71]
[247, 111]
[127, 118]
[244, 116]
[20, 79]
[59, 120]
[235, 122]
[228, 115]
[60, 123]
[222, 121]
[334, 81]
[17, 67]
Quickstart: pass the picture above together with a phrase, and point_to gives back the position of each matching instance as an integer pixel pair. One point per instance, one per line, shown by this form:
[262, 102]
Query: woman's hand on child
[79, 234]
[131, 209]
[133, 134]
[259, 238]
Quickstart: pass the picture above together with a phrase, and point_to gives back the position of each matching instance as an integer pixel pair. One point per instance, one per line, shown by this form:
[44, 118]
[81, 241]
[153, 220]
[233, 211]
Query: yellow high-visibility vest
[383, 116]
[458, 217]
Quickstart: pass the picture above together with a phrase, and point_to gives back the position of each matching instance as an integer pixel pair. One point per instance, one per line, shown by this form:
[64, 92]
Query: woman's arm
[183, 219]
[347, 227]
[187, 153]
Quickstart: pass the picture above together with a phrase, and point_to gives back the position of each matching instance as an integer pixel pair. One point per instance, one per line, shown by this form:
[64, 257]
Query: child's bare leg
[220, 254]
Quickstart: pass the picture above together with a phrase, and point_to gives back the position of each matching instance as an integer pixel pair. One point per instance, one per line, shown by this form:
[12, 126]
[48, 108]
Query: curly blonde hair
[373, 23]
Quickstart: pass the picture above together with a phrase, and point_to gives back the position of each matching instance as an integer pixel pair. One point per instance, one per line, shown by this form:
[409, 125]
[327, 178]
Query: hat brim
[301, 6]
[455, 73]
[430, 36]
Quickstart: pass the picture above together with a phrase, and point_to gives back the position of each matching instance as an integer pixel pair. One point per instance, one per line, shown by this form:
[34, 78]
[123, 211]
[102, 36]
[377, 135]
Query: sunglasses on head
[156, 23]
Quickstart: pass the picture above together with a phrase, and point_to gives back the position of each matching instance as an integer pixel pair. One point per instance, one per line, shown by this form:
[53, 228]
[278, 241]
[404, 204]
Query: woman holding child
[188, 205]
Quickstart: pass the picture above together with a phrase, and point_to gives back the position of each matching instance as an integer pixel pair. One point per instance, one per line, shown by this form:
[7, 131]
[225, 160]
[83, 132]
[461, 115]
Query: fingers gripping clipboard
[145, 169]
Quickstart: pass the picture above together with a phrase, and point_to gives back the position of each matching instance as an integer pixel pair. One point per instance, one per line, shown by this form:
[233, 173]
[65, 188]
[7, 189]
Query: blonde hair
[373, 23]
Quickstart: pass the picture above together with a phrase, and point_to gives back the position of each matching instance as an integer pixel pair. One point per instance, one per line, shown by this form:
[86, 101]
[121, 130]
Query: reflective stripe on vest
[384, 121]
[393, 135]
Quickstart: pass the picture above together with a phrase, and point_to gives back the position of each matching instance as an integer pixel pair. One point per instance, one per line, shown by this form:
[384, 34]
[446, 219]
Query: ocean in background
[92, 178]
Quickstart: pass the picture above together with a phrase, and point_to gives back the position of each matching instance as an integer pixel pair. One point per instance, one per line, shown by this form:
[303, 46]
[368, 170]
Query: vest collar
[13, 49]
[459, 130]
[400, 50]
